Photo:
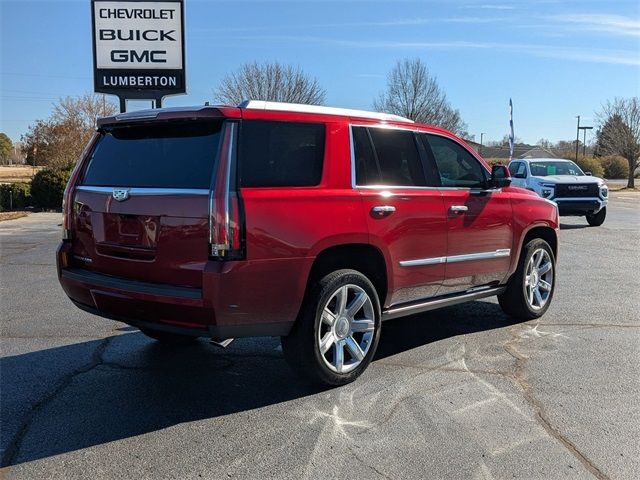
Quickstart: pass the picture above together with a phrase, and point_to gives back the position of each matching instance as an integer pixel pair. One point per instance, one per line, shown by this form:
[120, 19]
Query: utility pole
[577, 137]
[584, 142]
[481, 135]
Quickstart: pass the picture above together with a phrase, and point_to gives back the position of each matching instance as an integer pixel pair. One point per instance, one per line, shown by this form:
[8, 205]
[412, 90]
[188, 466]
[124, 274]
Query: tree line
[411, 91]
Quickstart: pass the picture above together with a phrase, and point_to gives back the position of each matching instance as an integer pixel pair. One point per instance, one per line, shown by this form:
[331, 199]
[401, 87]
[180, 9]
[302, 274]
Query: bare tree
[414, 93]
[271, 82]
[619, 132]
[59, 140]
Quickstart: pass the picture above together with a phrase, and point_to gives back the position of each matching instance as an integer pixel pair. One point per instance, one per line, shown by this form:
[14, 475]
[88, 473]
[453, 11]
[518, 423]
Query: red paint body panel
[416, 230]
[160, 241]
[486, 226]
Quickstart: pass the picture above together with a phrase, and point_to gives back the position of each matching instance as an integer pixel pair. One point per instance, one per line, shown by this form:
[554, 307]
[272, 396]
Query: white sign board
[138, 47]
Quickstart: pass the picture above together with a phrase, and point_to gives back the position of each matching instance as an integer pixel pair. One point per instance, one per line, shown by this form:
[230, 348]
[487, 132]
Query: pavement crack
[540, 414]
[368, 465]
[12, 451]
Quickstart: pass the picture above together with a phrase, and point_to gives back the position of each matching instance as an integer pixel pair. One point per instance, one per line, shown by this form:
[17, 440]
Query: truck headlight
[547, 190]
[604, 191]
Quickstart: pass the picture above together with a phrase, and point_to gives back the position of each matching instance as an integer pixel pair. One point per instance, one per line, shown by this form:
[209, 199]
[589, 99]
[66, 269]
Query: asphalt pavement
[459, 393]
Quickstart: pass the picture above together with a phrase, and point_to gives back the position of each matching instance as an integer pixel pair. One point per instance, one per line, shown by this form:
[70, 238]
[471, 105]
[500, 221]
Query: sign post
[138, 49]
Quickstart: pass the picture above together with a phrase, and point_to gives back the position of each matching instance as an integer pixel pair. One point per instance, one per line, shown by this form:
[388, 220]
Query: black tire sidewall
[597, 219]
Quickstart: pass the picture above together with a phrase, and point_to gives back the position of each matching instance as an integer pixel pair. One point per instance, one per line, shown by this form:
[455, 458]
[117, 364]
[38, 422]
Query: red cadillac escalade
[310, 223]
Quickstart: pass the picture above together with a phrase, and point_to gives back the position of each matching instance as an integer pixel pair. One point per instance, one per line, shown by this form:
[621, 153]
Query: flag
[511, 135]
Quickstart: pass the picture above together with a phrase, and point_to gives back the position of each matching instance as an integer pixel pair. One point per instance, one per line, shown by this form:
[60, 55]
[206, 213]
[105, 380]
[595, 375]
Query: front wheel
[597, 219]
[337, 331]
[530, 289]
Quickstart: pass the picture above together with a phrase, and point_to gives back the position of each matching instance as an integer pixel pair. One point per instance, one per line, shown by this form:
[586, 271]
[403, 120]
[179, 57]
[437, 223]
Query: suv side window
[277, 154]
[513, 168]
[457, 167]
[387, 157]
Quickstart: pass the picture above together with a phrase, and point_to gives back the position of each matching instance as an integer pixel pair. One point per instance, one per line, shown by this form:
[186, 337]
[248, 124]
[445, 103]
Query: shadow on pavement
[133, 385]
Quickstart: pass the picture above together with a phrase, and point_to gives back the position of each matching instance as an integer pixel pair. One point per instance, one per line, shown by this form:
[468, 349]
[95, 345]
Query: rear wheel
[530, 289]
[337, 331]
[597, 219]
[168, 338]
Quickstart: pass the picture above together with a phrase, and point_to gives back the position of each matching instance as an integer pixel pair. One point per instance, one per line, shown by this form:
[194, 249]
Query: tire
[597, 219]
[168, 338]
[341, 315]
[520, 299]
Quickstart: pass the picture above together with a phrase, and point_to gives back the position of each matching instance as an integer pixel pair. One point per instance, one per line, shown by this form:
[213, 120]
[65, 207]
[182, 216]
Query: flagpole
[511, 135]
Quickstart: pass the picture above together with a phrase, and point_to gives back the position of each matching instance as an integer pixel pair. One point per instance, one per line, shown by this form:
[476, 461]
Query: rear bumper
[579, 206]
[229, 304]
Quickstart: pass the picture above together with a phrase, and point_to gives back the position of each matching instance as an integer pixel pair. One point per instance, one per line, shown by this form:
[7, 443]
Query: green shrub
[615, 167]
[590, 164]
[47, 188]
[15, 196]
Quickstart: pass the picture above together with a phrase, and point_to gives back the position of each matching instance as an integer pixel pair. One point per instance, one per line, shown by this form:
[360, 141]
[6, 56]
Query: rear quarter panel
[285, 229]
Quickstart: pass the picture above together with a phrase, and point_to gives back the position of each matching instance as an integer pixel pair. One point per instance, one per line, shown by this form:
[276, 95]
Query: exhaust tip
[221, 343]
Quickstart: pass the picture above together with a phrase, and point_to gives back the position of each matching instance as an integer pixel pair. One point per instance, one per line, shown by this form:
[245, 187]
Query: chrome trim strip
[577, 199]
[352, 149]
[500, 253]
[144, 191]
[435, 303]
[423, 261]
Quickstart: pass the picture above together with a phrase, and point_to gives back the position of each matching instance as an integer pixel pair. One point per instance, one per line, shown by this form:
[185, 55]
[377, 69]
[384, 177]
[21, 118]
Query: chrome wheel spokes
[346, 329]
[538, 280]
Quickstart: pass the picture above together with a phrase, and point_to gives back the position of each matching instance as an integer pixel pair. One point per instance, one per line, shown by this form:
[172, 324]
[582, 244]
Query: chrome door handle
[382, 211]
[458, 208]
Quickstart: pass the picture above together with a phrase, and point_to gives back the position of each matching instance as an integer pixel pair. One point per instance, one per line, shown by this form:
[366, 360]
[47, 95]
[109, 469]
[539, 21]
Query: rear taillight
[67, 198]
[67, 206]
[225, 215]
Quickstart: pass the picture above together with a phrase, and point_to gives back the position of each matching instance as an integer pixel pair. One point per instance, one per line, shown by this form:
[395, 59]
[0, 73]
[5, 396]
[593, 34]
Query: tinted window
[367, 169]
[456, 166]
[518, 170]
[274, 154]
[161, 156]
[395, 160]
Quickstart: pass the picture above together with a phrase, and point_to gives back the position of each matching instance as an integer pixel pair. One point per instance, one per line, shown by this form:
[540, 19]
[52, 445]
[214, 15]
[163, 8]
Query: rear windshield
[159, 156]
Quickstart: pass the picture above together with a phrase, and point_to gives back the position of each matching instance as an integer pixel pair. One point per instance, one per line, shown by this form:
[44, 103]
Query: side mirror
[588, 173]
[500, 177]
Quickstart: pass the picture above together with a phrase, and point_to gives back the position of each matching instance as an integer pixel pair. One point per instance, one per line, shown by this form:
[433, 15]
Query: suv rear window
[176, 155]
[277, 154]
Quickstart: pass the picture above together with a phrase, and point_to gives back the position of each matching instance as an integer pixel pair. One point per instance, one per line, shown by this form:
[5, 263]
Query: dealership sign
[138, 48]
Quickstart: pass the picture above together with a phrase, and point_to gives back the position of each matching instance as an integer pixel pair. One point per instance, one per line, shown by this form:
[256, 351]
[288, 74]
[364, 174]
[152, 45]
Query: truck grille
[577, 190]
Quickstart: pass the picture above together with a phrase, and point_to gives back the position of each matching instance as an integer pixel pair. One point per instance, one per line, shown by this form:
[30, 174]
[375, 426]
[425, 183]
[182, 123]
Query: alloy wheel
[538, 280]
[346, 329]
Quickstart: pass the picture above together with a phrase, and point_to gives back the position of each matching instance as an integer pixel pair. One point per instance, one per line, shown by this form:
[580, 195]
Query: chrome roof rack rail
[343, 112]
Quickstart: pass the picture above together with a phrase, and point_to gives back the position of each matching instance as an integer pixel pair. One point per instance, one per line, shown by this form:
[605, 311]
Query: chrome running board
[439, 302]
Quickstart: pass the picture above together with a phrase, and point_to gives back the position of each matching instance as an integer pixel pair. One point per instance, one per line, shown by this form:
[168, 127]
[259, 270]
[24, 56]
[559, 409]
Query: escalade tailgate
[141, 205]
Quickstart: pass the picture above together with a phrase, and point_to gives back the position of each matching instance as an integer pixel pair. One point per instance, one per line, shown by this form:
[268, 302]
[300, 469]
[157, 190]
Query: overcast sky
[556, 59]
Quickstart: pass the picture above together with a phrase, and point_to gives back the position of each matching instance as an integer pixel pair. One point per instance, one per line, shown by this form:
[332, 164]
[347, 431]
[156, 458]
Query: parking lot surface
[462, 392]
